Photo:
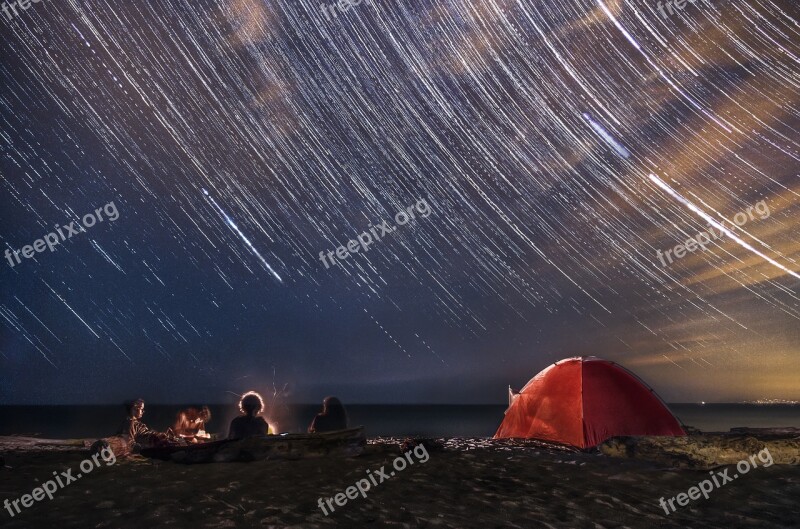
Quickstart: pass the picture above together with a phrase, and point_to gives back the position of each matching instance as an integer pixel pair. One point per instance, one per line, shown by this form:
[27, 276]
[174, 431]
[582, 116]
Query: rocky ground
[465, 483]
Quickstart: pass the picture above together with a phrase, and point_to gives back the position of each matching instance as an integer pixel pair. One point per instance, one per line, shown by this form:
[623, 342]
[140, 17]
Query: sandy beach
[464, 483]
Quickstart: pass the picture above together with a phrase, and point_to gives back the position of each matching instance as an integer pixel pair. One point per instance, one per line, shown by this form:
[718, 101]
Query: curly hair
[251, 403]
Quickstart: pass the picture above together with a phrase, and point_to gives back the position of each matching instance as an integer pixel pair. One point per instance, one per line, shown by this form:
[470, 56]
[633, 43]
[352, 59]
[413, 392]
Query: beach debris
[431, 445]
[766, 432]
[466, 444]
[704, 451]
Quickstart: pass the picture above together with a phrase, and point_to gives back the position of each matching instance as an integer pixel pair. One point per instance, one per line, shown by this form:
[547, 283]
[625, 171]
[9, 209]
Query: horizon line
[706, 403]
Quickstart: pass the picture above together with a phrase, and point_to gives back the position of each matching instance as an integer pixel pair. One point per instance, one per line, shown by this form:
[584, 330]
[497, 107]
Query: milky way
[241, 138]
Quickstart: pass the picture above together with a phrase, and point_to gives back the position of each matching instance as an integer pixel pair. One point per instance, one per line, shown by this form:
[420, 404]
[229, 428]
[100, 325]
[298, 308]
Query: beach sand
[465, 483]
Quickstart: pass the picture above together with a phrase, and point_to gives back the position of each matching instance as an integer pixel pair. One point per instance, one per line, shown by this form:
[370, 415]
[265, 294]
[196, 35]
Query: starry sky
[558, 146]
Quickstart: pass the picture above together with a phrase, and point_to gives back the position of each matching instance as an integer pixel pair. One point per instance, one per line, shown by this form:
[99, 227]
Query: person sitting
[191, 424]
[136, 431]
[332, 418]
[249, 424]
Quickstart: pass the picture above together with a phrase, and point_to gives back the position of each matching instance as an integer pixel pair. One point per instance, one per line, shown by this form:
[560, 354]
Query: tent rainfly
[583, 401]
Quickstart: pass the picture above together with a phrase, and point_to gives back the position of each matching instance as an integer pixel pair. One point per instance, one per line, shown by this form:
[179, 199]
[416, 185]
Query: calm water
[425, 420]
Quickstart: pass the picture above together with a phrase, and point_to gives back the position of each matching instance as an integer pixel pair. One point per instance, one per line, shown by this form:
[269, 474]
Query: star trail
[560, 145]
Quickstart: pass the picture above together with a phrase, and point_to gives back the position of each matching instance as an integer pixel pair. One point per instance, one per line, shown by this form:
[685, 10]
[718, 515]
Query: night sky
[558, 145]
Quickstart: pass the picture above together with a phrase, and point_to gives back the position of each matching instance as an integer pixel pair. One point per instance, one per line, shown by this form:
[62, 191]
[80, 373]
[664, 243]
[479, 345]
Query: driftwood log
[36, 444]
[32, 444]
[342, 443]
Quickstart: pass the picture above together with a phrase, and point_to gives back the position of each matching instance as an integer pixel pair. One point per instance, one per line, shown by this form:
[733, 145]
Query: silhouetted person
[249, 424]
[332, 418]
[135, 430]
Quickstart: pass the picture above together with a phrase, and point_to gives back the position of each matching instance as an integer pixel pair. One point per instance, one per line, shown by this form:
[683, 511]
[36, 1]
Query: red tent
[584, 401]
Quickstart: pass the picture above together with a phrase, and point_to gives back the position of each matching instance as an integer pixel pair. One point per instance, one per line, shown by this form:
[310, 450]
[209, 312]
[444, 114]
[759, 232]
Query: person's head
[135, 408]
[251, 403]
[333, 407]
[205, 414]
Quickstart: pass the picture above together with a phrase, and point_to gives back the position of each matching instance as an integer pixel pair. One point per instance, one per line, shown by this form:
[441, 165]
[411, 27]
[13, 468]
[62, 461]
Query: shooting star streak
[242, 235]
[672, 361]
[37, 319]
[11, 318]
[107, 257]
[622, 151]
[708, 218]
[71, 309]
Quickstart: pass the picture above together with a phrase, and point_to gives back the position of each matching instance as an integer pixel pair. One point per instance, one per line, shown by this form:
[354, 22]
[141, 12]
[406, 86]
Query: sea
[67, 422]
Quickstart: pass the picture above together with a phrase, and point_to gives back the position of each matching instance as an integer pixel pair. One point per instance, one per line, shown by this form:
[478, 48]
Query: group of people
[190, 424]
